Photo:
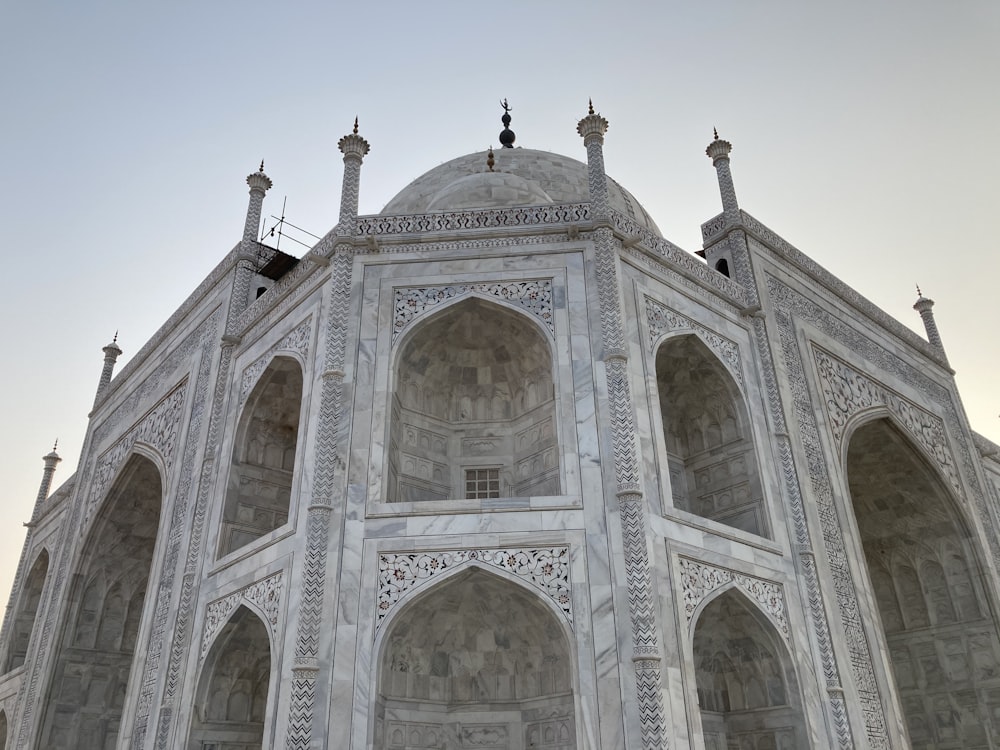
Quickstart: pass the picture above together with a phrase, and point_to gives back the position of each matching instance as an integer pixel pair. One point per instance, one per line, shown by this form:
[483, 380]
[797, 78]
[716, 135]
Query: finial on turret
[489, 158]
[55, 445]
[715, 133]
[925, 307]
[261, 166]
[506, 135]
[355, 125]
[590, 106]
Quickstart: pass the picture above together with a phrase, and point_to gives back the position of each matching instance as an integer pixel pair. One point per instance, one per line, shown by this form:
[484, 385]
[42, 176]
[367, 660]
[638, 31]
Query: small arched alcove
[232, 699]
[747, 691]
[473, 411]
[84, 701]
[27, 608]
[3, 730]
[924, 571]
[258, 495]
[710, 451]
[475, 661]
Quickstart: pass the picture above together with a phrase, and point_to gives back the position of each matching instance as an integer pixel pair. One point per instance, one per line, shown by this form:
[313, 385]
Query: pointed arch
[711, 457]
[259, 490]
[920, 554]
[473, 412]
[231, 704]
[93, 659]
[746, 683]
[479, 647]
[23, 623]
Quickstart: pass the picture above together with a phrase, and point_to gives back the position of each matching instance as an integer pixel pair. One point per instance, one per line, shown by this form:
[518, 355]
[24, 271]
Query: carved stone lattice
[296, 341]
[663, 320]
[699, 580]
[480, 218]
[265, 594]
[533, 296]
[846, 392]
[546, 569]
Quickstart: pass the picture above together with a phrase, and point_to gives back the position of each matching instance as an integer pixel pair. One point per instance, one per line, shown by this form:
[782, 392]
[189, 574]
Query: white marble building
[502, 468]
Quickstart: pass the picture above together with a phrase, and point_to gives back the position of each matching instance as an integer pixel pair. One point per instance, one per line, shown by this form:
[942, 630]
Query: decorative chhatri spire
[506, 135]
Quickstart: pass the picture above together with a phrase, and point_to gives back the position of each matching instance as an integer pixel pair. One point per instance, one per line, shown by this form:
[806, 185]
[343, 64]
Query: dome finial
[506, 135]
[590, 106]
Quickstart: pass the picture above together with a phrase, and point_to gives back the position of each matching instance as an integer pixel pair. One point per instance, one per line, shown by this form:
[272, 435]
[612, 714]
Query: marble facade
[503, 468]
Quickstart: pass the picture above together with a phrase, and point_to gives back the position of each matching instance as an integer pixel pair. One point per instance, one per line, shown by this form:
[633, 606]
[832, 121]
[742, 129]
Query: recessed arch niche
[259, 491]
[3, 730]
[232, 697]
[84, 701]
[710, 452]
[924, 571]
[473, 408]
[747, 691]
[27, 609]
[475, 661]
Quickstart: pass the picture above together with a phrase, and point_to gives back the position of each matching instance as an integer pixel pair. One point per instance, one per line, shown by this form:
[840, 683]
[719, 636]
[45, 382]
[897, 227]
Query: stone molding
[662, 320]
[265, 594]
[847, 393]
[545, 569]
[533, 296]
[699, 580]
[295, 341]
[479, 218]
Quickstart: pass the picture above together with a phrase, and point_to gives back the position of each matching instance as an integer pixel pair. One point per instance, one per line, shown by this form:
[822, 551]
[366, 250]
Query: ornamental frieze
[846, 392]
[545, 569]
[534, 296]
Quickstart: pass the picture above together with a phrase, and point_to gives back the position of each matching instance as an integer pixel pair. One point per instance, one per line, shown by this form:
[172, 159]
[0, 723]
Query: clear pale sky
[864, 133]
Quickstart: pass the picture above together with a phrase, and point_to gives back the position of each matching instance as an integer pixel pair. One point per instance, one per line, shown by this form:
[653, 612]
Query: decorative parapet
[699, 580]
[534, 296]
[712, 229]
[544, 568]
[799, 259]
[265, 594]
[482, 218]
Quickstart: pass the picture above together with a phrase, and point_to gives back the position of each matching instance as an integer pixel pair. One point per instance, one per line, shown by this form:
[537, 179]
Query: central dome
[520, 177]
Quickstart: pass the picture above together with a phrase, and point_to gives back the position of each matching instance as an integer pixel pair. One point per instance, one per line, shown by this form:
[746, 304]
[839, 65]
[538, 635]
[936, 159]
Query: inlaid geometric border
[545, 568]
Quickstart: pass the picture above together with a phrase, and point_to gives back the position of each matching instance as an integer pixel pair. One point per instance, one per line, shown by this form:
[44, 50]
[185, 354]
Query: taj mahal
[502, 468]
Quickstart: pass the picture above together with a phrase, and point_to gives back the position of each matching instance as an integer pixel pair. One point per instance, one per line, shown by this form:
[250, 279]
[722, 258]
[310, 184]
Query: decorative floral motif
[847, 392]
[547, 569]
[533, 296]
[266, 594]
[490, 218]
[663, 320]
[699, 579]
[296, 341]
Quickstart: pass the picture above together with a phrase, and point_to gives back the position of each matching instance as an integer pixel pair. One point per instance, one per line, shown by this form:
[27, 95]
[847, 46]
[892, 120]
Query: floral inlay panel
[700, 579]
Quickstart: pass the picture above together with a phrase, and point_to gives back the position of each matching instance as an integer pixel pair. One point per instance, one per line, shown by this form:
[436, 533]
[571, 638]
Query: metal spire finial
[115, 339]
[261, 165]
[590, 106]
[55, 445]
[355, 125]
[506, 135]
[715, 133]
[919, 293]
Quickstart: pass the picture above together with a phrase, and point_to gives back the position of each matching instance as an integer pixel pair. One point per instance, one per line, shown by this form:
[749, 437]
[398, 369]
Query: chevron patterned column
[631, 503]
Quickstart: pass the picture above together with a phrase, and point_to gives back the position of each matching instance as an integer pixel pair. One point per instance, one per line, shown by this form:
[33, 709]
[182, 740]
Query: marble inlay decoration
[846, 392]
[663, 320]
[546, 569]
[296, 341]
[534, 296]
[700, 579]
[265, 594]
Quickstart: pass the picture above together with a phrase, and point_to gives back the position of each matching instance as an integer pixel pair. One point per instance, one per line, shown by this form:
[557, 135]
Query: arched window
[710, 451]
[747, 691]
[27, 608]
[473, 413]
[259, 492]
[945, 652]
[232, 698]
[481, 651]
[83, 706]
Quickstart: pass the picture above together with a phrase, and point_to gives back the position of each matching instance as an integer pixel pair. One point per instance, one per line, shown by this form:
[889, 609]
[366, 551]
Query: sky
[863, 133]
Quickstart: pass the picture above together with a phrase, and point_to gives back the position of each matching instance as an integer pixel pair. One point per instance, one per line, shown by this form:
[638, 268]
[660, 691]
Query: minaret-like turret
[354, 148]
[259, 184]
[718, 150]
[592, 128]
[111, 354]
[43, 490]
[924, 307]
